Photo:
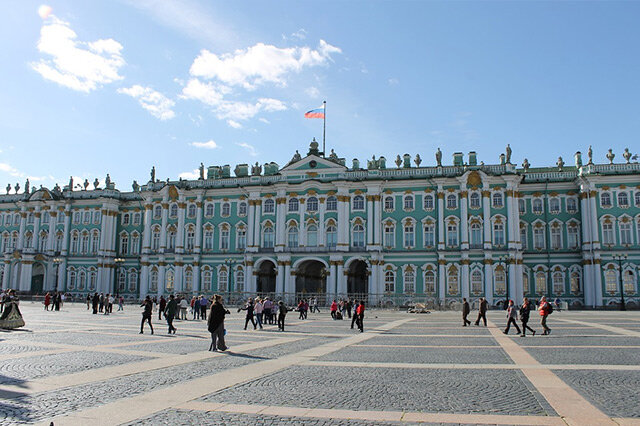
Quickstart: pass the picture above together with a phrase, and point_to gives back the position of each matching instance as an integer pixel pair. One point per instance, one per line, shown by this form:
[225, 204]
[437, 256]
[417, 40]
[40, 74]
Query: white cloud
[234, 124]
[264, 120]
[301, 34]
[81, 66]
[393, 82]
[259, 64]
[250, 148]
[210, 144]
[312, 92]
[155, 102]
[10, 170]
[237, 110]
[44, 11]
[207, 93]
[192, 175]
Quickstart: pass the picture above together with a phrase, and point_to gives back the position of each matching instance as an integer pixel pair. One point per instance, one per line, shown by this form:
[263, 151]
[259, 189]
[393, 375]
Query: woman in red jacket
[333, 309]
[360, 314]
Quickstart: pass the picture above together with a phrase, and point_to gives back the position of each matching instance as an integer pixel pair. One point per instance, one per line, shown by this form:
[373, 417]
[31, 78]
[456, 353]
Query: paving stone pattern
[392, 340]
[445, 390]
[421, 355]
[598, 356]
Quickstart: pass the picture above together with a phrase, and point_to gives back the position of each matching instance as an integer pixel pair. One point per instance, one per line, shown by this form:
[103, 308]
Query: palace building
[393, 233]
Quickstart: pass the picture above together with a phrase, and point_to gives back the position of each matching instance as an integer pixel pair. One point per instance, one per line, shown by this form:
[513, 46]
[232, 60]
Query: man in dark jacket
[482, 311]
[524, 317]
[146, 315]
[95, 301]
[466, 309]
[216, 324]
[282, 313]
[249, 308]
[170, 313]
[161, 307]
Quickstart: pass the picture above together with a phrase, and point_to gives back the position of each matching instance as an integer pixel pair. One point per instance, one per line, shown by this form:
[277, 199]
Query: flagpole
[324, 127]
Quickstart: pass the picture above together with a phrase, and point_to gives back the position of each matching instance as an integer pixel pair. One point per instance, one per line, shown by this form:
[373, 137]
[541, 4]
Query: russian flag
[315, 113]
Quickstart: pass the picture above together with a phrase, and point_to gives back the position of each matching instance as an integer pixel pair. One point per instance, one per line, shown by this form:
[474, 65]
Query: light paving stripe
[436, 366]
[140, 406]
[566, 401]
[618, 330]
[370, 416]
[99, 374]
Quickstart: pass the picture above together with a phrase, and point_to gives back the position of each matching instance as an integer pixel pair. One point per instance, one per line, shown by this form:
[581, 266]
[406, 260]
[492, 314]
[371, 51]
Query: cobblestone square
[72, 367]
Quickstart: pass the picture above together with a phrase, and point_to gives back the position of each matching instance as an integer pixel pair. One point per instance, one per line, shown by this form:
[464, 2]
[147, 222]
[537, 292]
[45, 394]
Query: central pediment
[312, 163]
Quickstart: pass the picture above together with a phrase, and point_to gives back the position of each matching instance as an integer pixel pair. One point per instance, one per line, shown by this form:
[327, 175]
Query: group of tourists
[55, 300]
[103, 304]
[513, 312]
[352, 309]
[10, 315]
[266, 311]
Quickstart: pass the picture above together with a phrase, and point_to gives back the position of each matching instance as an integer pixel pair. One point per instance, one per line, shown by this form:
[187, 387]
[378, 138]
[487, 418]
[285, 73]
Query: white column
[486, 218]
[280, 284]
[513, 288]
[180, 233]
[196, 276]
[442, 280]
[163, 230]
[333, 277]
[25, 276]
[441, 241]
[370, 220]
[62, 275]
[251, 224]
[377, 207]
[512, 236]
[302, 234]
[23, 224]
[465, 278]
[67, 223]
[51, 242]
[161, 277]
[340, 279]
[6, 277]
[464, 223]
[321, 227]
[199, 212]
[343, 221]
[488, 281]
[146, 232]
[281, 206]
[144, 277]
[256, 227]
[250, 284]
[36, 228]
[287, 279]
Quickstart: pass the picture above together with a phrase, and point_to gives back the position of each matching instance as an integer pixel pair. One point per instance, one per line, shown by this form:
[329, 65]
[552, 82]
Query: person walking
[512, 316]
[195, 307]
[88, 301]
[106, 305]
[259, 311]
[524, 317]
[466, 309]
[482, 311]
[354, 319]
[57, 301]
[267, 306]
[215, 324]
[184, 305]
[101, 305]
[95, 302]
[360, 314]
[333, 309]
[161, 307]
[203, 307]
[249, 308]
[147, 303]
[545, 310]
[314, 305]
[121, 303]
[47, 301]
[170, 312]
[301, 309]
[282, 313]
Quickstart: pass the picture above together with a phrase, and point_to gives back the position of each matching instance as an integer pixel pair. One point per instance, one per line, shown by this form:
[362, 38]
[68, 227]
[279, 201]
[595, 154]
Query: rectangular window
[452, 235]
[409, 236]
[523, 238]
[224, 239]
[572, 237]
[389, 236]
[607, 233]
[538, 238]
[429, 236]
[625, 233]
[556, 238]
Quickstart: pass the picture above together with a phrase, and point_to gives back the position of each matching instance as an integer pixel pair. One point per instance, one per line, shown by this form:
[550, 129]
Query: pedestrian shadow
[239, 355]
[15, 405]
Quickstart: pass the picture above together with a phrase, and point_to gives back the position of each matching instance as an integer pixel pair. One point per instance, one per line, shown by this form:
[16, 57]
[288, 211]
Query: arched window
[71, 280]
[124, 243]
[133, 281]
[60, 238]
[538, 237]
[153, 281]
[573, 235]
[30, 218]
[525, 283]
[173, 210]
[498, 234]
[292, 236]
[122, 280]
[556, 237]
[95, 241]
[332, 203]
[576, 283]
[169, 281]
[191, 211]
[452, 201]
[409, 235]
[312, 204]
[224, 237]
[93, 279]
[428, 202]
[572, 205]
[388, 203]
[226, 210]
[605, 199]
[637, 198]
[474, 200]
[500, 282]
[408, 203]
[389, 282]
[541, 283]
[625, 232]
[206, 279]
[629, 282]
[28, 240]
[358, 202]
[155, 239]
[171, 239]
[75, 241]
[126, 219]
[536, 206]
[268, 237]
[611, 281]
[85, 242]
[240, 280]
[223, 280]
[497, 200]
[429, 282]
[208, 238]
[82, 280]
[623, 199]
[269, 206]
[429, 235]
[312, 236]
[136, 219]
[332, 236]
[452, 281]
[409, 281]
[554, 205]
[522, 207]
[475, 235]
[188, 280]
[208, 210]
[389, 235]
[608, 237]
[452, 234]
[558, 283]
[157, 212]
[241, 238]
[6, 240]
[42, 243]
[476, 282]
[358, 236]
[293, 204]
[191, 239]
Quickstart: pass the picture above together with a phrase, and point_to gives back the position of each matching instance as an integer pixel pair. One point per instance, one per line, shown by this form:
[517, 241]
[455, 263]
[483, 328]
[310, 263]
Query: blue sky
[89, 88]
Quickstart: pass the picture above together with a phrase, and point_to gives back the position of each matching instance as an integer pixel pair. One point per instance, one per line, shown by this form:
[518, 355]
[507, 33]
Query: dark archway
[357, 278]
[311, 277]
[266, 277]
[37, 278]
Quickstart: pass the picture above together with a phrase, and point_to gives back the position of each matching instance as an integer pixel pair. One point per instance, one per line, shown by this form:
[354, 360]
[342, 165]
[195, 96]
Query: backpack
[549, 308]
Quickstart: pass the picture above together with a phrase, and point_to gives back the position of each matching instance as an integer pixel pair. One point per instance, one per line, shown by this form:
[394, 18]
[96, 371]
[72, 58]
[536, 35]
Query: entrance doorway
[266, 279]
[37, 278]
[311, 277]
[357, 279]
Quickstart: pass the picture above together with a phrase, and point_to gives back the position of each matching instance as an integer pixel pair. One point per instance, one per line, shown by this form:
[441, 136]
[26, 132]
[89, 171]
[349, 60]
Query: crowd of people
[103, 304]
[544, 309]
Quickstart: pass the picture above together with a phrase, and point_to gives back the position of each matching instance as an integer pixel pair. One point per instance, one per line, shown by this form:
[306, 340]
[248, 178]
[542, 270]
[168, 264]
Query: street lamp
[116, 262]
[620, 258]
[505, 260]
[229, 262]
[57, 261]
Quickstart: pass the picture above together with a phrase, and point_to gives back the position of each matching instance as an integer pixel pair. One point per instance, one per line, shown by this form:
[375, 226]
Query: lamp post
[116, 264]
[229, 263]
[505, 260]
[57, 261]
[620, 258]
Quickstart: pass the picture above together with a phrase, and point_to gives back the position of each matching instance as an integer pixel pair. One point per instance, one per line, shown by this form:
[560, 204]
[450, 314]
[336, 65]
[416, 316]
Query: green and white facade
[397, 233]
